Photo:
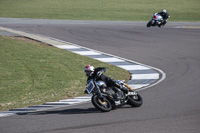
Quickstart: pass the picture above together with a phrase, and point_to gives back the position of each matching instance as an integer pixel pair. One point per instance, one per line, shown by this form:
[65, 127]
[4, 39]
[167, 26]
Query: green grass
[125, 10]
[32, 74]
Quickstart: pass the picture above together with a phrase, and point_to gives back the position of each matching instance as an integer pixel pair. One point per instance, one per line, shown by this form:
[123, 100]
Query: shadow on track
[64, 111]
[70, 111]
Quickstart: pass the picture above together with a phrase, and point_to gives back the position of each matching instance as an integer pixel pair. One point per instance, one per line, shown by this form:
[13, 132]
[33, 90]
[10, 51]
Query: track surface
[173, 106]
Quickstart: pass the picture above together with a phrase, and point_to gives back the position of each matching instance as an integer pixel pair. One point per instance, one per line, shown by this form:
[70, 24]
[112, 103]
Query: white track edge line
[139, 89]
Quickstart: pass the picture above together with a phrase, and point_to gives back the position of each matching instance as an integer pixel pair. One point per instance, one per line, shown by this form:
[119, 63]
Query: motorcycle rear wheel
[104, 106]
[135, 102]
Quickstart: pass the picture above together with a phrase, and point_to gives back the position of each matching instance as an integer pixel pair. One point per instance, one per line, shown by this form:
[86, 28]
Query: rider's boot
[118, 94]
[125, 90]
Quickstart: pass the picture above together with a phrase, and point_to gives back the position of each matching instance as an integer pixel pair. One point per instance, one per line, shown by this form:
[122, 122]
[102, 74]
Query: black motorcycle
[104, 98]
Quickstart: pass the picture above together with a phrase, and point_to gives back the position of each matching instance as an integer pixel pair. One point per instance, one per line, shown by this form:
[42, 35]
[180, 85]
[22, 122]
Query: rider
[98, 73]
[165, 16]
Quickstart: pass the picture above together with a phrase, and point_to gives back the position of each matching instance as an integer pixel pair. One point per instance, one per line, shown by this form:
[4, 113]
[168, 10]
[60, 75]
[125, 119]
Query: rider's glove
[85, 92]
[99, 73]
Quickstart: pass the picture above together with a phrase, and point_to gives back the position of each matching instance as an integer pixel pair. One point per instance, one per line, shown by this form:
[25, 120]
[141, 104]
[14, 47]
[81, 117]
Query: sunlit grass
[128, 10]
[36, 73]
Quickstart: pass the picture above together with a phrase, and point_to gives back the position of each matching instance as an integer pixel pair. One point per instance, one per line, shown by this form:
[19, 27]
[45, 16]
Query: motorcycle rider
[98, 73]
[165, 16]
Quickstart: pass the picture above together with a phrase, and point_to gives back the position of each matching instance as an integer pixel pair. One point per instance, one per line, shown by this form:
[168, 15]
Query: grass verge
[34, 73]
[125, 10]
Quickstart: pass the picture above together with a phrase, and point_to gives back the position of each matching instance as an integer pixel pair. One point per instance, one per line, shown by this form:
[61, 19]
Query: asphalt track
[172, 106]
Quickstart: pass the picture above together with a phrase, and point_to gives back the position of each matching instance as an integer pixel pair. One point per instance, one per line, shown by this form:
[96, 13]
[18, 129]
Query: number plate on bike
[90, 87]
[132, 93]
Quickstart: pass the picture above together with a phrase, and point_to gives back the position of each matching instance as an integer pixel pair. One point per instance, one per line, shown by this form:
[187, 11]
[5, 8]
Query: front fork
[152, 22]
[99, 93]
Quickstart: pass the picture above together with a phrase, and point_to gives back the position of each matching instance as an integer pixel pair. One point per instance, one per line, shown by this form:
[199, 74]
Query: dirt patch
[29, 40]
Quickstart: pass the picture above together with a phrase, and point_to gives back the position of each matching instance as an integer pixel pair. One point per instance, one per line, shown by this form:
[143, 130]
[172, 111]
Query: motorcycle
[103, 98]
[157, 20]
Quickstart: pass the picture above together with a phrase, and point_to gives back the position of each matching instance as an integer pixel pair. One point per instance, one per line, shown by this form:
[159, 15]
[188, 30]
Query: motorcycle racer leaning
[165, 16]
[98, 73]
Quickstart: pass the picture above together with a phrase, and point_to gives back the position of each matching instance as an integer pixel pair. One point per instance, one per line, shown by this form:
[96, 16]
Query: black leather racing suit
[99, 75]
[165, 17]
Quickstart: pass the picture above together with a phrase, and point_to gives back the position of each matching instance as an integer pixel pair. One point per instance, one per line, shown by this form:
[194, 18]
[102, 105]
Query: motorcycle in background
[104, 97]
[157, 20]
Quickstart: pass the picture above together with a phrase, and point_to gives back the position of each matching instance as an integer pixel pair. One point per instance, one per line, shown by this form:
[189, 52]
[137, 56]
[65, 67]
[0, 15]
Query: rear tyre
[104, 106]
[135, 101]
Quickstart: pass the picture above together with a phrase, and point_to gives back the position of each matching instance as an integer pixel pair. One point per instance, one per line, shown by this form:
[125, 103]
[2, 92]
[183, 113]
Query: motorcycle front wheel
[135, 101]
[104, 106]
[149, 24]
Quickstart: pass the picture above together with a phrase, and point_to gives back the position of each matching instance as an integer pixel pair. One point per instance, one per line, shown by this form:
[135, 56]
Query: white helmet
[89, 70]
[164, 11]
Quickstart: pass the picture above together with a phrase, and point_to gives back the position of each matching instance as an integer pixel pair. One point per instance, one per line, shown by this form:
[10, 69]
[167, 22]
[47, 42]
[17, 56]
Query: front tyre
[135, 101]
[149, 24]
[104, 106]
